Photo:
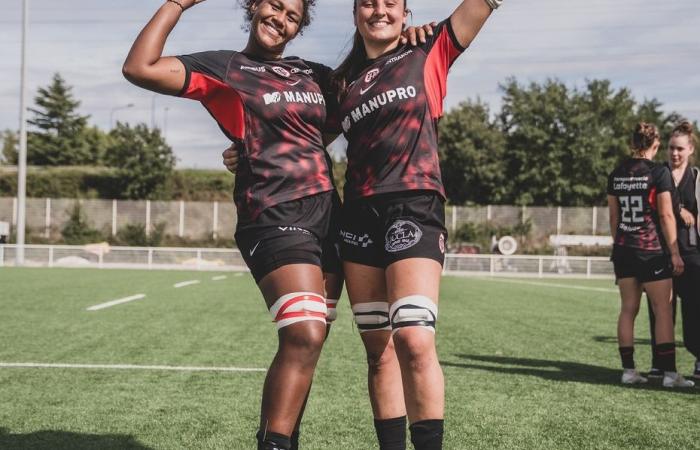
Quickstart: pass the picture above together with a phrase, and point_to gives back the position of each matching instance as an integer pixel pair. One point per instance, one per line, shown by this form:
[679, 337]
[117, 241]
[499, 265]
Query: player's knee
[381, 356]
[415, 348]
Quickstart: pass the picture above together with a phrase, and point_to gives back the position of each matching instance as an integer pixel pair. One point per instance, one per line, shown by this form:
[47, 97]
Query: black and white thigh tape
[372, 316]
[298, 307]
[413, 311]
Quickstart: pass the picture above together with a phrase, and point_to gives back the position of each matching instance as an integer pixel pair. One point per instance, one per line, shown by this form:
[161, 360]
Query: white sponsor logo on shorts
[294, 230]
[402, 235]
[658, 272]
[441, 243]
[358, 241]
[254, 248]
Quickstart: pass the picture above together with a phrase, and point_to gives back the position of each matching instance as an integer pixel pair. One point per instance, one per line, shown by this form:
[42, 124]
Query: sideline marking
[565, 286]
[129, 367]
[219, 278]
[185, 283]
[116, 302]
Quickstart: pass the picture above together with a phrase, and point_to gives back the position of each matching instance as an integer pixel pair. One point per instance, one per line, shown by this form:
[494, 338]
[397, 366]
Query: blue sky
[649, 46]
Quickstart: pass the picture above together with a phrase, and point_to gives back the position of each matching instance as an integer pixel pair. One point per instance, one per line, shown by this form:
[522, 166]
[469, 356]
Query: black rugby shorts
[645, 267]
[293, 232]
[383, 229]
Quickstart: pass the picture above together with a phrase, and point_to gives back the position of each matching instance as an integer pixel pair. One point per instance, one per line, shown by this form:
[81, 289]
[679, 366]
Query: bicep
[468, 19]
[165, 76]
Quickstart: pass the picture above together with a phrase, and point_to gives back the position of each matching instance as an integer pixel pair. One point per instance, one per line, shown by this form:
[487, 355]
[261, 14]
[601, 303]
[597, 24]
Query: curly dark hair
[305, 19]
[645, 134]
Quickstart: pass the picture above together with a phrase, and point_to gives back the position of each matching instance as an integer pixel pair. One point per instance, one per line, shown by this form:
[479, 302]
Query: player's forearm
[468, 19]
[147, 49]
[668, 227]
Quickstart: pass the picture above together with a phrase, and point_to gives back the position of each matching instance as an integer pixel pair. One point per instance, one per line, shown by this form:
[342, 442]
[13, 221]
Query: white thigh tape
[413, 311]
[298, 307]
[373, 316]
[332, 312]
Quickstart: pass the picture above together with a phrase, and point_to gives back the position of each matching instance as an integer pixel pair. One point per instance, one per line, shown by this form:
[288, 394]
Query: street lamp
[118, 108]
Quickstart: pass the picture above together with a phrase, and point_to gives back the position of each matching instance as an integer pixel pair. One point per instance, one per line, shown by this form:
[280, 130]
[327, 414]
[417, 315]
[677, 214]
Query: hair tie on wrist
[178, 4]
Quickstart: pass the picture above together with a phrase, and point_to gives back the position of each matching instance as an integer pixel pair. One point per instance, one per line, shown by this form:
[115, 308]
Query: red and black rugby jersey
[636, 183]
[275, 111]
[389, 116]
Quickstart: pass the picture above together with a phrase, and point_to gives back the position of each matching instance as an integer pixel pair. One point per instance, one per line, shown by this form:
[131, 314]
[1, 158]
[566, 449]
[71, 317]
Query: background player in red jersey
[284, 188]
[681, 148]
[392, 223]
[643, 228]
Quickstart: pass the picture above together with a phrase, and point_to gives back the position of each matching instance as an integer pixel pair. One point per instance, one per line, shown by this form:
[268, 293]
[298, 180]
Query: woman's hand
[230, 156]
[678, 265]
[687, 217]
[414, 35]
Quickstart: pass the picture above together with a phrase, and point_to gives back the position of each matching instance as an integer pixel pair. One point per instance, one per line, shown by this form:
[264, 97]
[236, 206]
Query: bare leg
[423, 381]
[630, 294]
[289, 378]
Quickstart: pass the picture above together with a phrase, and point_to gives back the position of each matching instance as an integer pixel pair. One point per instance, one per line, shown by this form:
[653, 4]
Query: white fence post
[558, 219]
[492, 266]
[594, 228]
[181, 229]
[148, 217]
[454, 218]
[114, 217]
[522, 214]
[488, 213]
[199, 260]
[150, 258]
[215, 220]
[14, 211]
[101, 258]
[540, 268]
[51, 256]
[2, 256]
[47, 219]
[588, 267]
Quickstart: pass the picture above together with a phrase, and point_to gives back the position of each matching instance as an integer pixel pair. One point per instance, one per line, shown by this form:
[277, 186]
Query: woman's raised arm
[469, 17]
[145, 66]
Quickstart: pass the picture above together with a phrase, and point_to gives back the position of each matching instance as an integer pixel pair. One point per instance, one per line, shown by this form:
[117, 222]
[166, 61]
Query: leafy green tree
[57, 137]
[10, 147]
[143, 159]
[563, 142]
[472, 149]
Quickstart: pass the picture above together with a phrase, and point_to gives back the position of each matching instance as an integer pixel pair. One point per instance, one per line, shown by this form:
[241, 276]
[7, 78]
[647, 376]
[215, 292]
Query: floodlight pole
[22, 156]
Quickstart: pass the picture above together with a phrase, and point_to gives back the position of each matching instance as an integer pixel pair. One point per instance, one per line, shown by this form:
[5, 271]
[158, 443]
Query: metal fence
[203, 220]
[102, 256]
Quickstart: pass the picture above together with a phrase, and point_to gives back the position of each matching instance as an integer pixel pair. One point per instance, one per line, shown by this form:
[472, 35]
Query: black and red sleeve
[205, 81]
[442, 49]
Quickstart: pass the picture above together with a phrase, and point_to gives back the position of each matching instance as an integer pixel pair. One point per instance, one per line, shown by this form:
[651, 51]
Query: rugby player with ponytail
[645, 252]
[392, 226]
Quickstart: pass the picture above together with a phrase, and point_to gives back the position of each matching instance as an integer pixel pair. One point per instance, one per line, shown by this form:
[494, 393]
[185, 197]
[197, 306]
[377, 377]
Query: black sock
[627, 356]
[295, 440]
[427, 434]
[391, 433]
[666, 356]
[273, 441]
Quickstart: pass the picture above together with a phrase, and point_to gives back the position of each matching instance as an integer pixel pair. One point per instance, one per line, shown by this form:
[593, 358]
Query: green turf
[526, 367]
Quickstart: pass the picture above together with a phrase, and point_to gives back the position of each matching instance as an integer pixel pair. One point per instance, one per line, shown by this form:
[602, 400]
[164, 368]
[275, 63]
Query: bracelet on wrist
[178, 4]
[494, 4]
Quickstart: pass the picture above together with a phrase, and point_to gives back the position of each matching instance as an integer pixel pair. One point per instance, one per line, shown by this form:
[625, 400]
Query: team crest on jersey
[402, 235]
[371, 75]
[281, 71]
[272, 97]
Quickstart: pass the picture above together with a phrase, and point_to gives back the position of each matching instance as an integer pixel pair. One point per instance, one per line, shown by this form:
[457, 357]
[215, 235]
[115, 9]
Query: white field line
[238, 274]
[116, 302]
[564, 286]
[218, 278]
[185, 283]
[31, 365]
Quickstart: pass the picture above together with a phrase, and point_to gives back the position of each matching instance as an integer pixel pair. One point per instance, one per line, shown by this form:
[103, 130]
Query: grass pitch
[528, 365]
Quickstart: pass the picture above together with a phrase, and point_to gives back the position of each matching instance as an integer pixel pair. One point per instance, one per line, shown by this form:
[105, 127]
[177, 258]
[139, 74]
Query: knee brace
[298, 307]
[373, 316]
[413, 311]
[332, 312]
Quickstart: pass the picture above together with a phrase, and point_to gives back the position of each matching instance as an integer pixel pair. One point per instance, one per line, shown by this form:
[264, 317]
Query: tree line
[549, 144]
